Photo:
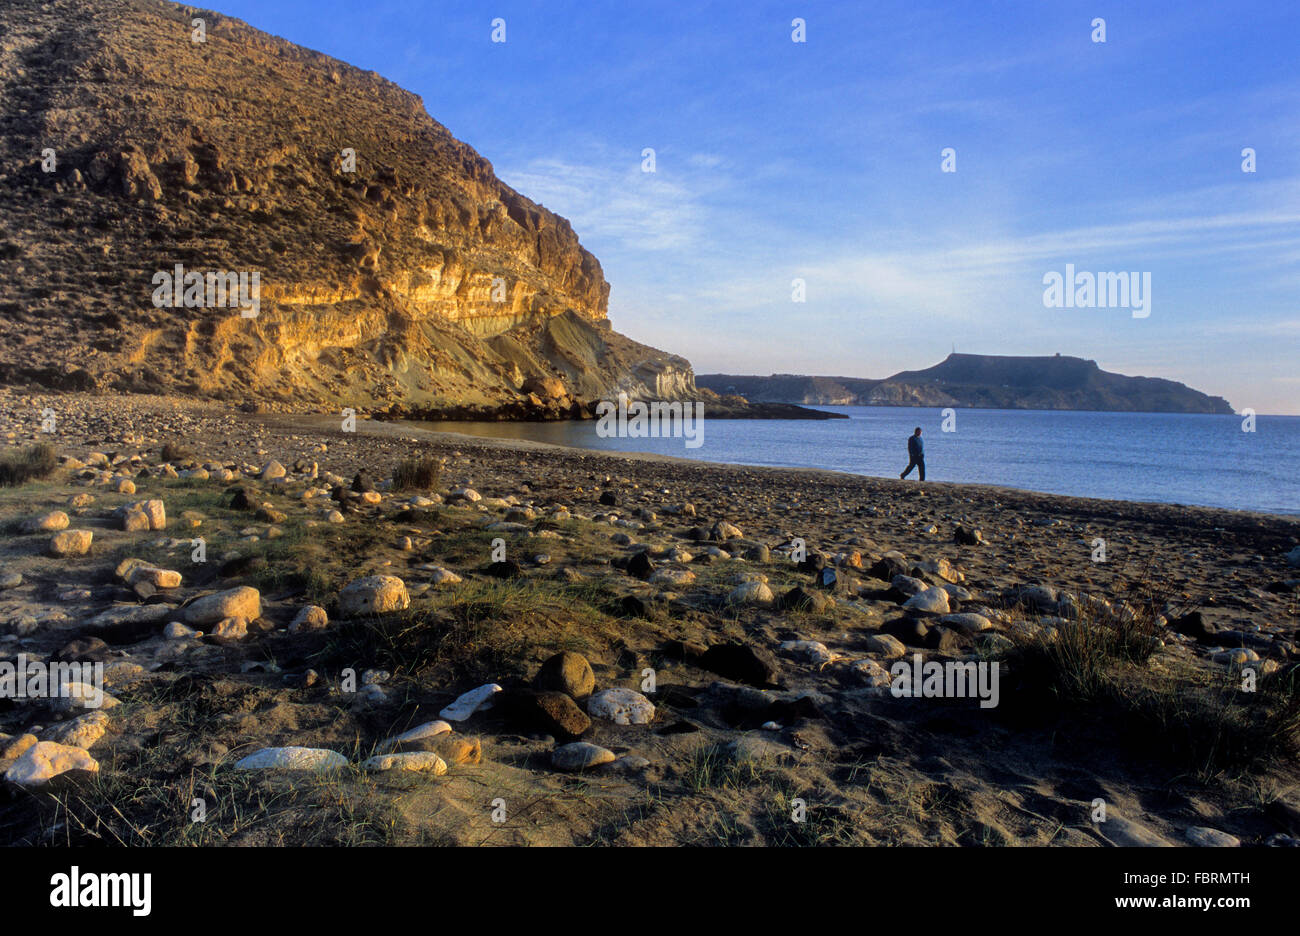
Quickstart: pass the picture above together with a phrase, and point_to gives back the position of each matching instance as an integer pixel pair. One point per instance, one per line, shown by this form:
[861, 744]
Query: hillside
[987, 381]
[415, 278]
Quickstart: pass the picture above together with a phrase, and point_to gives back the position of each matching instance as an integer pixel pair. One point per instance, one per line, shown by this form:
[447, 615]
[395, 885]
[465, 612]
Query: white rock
[45, 760]
[428, 730]
[292, 758]
[470, 702]
[932, 600]
[751, 593]
[374, 594]
[621, 706]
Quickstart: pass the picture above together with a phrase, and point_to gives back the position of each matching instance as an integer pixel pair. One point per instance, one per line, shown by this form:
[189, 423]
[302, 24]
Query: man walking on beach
[915, 454]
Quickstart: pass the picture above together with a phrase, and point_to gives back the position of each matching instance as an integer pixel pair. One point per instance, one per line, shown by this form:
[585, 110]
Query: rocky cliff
[982, 380]
[391, 265]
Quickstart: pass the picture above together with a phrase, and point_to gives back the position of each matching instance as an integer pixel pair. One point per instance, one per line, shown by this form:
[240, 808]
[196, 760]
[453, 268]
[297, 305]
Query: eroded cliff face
[393, 264]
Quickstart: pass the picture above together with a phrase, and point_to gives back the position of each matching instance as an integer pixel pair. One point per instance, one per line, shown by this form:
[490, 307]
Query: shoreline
[516, 554]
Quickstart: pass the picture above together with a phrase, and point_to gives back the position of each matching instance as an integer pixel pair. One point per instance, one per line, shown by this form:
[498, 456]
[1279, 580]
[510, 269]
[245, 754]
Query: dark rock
[640, 566]
[887, 567]
[678, 727]
[241, 501]
[1193, 625]
[684, 650]
[788, 712]
[632, 606]
[361, 483]
[548, 712]
[506, 569]
[84, 650]
[911, 631]
[813, 563]
[943, 639]
[801, 599]
[964, 537]
[742, 663]
[827, 578]
[609, 498]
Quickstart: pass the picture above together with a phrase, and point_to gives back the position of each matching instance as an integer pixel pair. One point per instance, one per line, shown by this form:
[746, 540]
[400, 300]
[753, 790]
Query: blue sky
[821, 160]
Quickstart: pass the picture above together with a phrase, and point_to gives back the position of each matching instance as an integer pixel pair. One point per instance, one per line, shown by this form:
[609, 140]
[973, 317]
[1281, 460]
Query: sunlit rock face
[391, 264]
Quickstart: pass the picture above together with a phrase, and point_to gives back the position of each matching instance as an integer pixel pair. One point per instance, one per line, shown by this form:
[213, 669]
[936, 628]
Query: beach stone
[871, 673]
[309, 618]
[567, 672]
[621, 706]
[292, 758]
[51, 522]
[580, 755]
[419, 738]
[943, 569]
[441, 576]
[12, 749]
[374, 594]
[45, 760]
[930, 601]
[457, 750]
[1238, 656]
[751, 593]
[888, 566]
[810, 651]
[134, 521]
[723, 531]
[967, 623]
[640, 566]
[272, 470]
[470, 702]
[83, 731]
[674, 578]
[230, 629]
[158, 578]
[156, 512]
[175, 630]
[465, 494]
[1129, 834]
[801, 599]
[10, 580]
[418, 761]
[908, 586]
[71, 543]
[124, 486]
[552, 713]
[1293, 558]
[886, 645]
[1206, 837]
[741, 662]
[963, 536]
[243, 602]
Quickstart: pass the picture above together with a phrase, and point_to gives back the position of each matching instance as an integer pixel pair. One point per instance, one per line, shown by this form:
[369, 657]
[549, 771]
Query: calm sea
[1166, 457]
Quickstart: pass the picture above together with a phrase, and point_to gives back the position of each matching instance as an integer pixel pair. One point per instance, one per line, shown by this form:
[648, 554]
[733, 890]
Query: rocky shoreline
[620, 649]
